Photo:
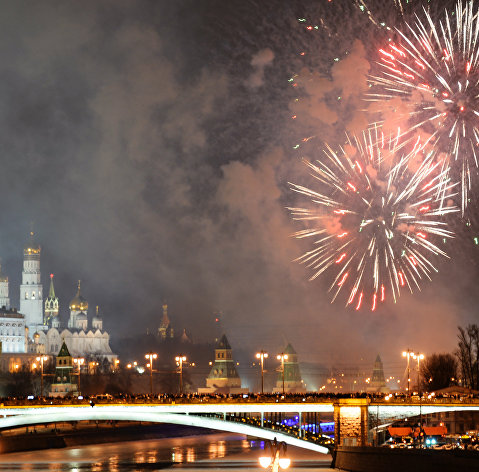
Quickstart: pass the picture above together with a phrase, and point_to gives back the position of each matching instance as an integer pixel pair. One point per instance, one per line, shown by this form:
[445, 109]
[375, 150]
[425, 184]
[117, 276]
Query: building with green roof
[292, 374]
[378, 382]
[223, 376]
[64, 383]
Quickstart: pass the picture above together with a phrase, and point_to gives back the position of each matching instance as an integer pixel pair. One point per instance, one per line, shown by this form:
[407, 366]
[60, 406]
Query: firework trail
[376, 225]
[434, 70]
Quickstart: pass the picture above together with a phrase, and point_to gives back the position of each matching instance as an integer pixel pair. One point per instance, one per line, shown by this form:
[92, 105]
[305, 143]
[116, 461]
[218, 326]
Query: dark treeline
[442, 370]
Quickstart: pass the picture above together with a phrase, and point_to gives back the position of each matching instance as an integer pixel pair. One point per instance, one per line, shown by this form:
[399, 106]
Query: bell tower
[31, 290]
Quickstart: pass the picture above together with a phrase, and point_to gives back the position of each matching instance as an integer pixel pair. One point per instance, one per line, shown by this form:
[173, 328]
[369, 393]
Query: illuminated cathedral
[41, 327]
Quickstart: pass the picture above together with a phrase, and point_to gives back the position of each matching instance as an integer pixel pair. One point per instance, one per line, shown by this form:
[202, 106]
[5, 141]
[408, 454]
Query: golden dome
[31, 247]
[78, 303]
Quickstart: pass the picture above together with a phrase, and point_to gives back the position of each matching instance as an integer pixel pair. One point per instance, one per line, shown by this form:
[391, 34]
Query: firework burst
[376, 225]
[434, 71]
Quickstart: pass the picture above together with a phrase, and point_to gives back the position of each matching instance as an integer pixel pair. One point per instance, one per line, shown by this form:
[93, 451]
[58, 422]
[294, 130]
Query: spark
[433, 69]
[360, 238]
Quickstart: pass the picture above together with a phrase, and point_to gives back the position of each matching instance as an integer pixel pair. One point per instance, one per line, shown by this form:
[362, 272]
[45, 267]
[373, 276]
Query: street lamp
[282, 357]
[179, 362]
[41, 359]
[274, 462]
[150, 356]
[262, 355]
[79, 361]
[419, 357]
[408, 354]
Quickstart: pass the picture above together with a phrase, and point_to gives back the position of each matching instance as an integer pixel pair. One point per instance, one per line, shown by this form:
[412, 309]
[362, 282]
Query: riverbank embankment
[382, 459]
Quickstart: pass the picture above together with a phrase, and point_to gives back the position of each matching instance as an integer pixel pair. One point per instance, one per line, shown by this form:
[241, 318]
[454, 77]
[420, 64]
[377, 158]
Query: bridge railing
[306, 398]
[267, 423]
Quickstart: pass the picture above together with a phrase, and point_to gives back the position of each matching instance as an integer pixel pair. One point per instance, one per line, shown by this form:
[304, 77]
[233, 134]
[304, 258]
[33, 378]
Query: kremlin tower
[31, 296]
[292, 375]
[223, 377]
[378, 382]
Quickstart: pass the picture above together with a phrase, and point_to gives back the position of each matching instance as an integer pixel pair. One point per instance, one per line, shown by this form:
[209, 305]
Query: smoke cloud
[151, 145]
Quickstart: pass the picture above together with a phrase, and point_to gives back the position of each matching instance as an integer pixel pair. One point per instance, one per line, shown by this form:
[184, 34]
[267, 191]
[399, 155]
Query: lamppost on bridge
[282, 357]
[41, 359]
[408, 354]
[79, 361]
[276, 460]
[262, 355]
[419, 357]
[150, 356]
[179, 362]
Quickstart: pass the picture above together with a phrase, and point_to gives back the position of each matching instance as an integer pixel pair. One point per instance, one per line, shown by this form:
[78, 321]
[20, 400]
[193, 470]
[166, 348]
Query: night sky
[151, 144]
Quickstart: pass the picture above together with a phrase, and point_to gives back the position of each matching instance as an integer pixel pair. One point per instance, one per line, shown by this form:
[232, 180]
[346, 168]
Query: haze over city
[151, 145]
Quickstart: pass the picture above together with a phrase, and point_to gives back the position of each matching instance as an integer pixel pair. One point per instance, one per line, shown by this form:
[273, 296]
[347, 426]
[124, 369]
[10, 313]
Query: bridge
[354, 418]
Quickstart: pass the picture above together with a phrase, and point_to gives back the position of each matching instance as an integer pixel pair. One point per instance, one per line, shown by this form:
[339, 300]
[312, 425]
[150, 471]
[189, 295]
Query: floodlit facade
[37, 328]
[223, 376]
[31, 289]
[12, 331]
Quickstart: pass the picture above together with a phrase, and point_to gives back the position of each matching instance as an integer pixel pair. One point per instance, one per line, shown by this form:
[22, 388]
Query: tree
[20, 383]
[438, 371]
[467, 354]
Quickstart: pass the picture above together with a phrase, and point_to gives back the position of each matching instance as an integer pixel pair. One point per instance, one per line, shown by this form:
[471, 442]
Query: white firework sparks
[434, 70]
[376, 226]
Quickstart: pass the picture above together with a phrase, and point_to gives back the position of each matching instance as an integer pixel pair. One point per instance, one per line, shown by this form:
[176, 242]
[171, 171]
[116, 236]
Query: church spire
[165, 330]
[52, 307]
[97, 322]
[51, 293]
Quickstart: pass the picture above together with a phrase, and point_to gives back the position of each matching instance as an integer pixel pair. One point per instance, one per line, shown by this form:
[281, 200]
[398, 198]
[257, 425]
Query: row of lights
[262, 355]
[150, 356]
[409, 354]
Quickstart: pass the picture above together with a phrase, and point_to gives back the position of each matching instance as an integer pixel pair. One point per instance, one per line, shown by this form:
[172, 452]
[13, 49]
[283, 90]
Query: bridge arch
[106, 413]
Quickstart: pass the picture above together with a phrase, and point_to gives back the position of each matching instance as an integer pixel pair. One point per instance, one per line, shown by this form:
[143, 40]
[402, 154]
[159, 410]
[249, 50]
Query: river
[207, 452]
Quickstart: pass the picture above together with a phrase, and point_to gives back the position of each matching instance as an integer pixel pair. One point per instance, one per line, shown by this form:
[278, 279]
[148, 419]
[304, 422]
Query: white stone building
[4, 297]
[37, 329]
[80, 340]
[12, 331]
[31, 290]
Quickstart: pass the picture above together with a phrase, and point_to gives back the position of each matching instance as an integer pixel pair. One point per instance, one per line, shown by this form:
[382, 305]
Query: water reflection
[134, 456]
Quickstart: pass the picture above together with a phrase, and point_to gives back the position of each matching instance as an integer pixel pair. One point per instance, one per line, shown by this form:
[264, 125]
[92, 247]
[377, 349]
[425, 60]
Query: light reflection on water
[137, 456]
